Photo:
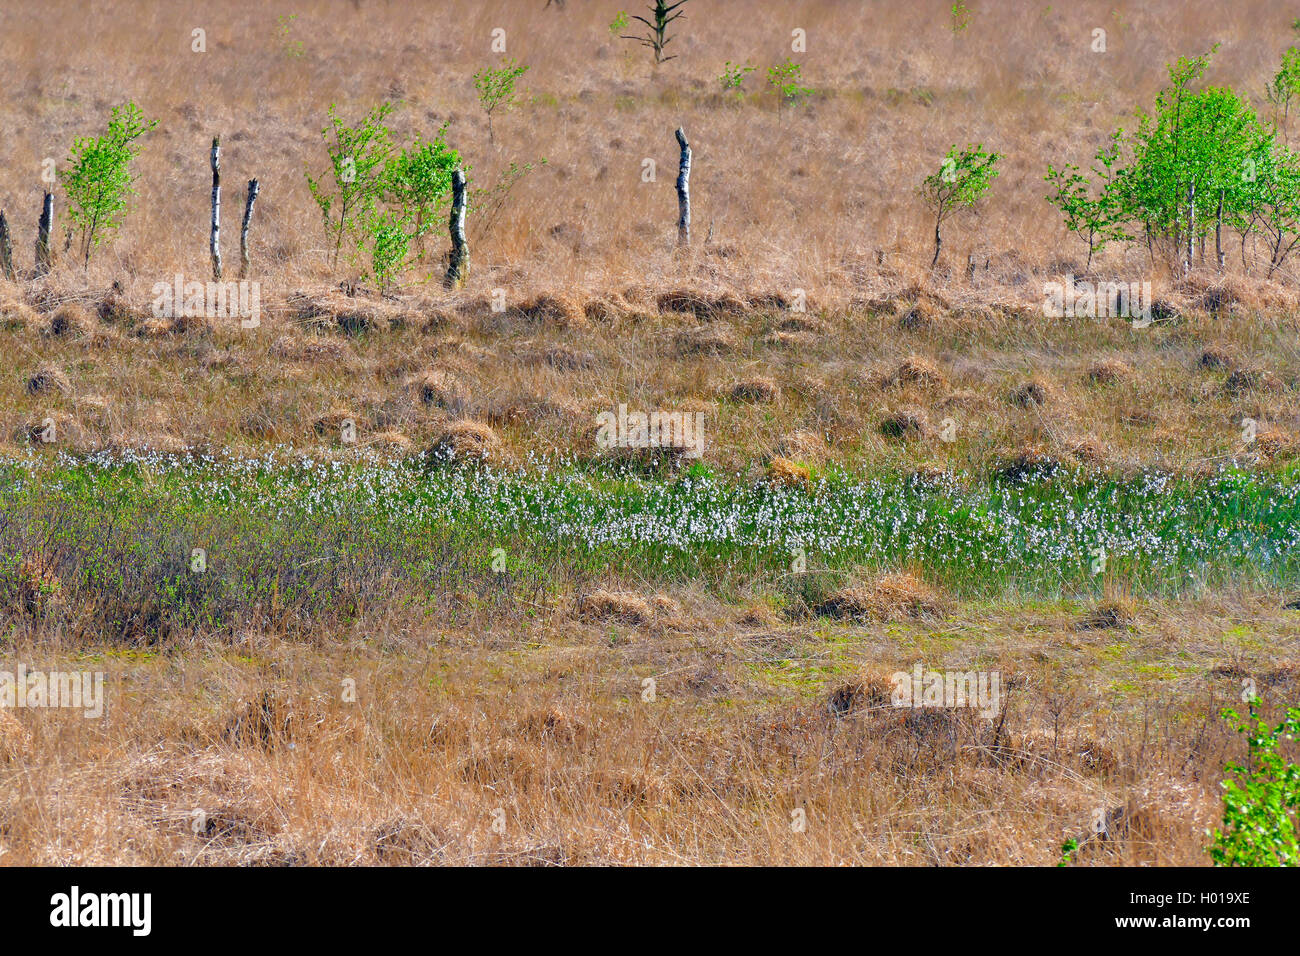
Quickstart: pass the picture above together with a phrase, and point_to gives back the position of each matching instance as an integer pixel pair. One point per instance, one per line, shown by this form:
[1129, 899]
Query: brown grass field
[508, 733]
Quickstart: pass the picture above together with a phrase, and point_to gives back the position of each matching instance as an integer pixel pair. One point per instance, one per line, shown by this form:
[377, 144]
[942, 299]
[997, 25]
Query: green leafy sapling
[417, 184]
[98, 179]
[786, 82]
[962, 178]
[291, 47]
[390, 242]
[496, 90]
[1260, 805]
[349, 194]
[1098, 219]
[961, 16]
[733, 78]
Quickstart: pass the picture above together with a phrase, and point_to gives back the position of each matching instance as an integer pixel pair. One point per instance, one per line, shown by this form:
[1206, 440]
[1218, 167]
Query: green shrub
[98, 179]
[1261, 803]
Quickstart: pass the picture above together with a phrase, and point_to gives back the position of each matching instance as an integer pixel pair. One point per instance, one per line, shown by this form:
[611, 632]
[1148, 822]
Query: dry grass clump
[1108, 372]
[48, 378]
[557, 309]
[312, 349]
[705, 340]
[790, 340]
[71, 319]
[390, 441]
[1274, 444]
[788, 474]
[520, 407]
[754, 390]
[442, 388]
[914, 370]
[1106, 615]
[918, 315]
[1030, 461]
[332, 423]
[465, 442]
[1217, 357]
[1251, 379]
[17, 315]
[337, 312]
[802, 445]
[905, 423]
[700, 304]
[1031, 394]
[15, 739]
[868, 691]
[66, 429]
[802, 322]
[562, 358]
[1223, 293]
[1089, 452]
[889, 597]
[605, 605]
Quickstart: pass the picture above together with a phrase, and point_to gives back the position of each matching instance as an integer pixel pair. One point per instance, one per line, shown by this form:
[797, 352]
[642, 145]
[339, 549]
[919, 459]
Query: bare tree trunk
[243, 229]
[43, 235]
[214, 243]
[684, 191]
[1191, 226]
[1218, 232]
[6, 250]
[970, 267]
[458, 268]
[938, 242]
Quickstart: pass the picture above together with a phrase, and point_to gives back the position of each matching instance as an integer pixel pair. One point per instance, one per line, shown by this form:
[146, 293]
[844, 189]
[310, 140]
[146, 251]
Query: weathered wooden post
[458, 267]
[684, 191]
[243, 229]
[214, 243]
[6, 250]
[43, 235]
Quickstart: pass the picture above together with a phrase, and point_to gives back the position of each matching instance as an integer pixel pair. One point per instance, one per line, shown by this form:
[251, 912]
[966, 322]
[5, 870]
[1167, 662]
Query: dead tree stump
[243, 229]
[458, 267]
[43, 228]
[684, 191]
[6, 250]
[214, 242]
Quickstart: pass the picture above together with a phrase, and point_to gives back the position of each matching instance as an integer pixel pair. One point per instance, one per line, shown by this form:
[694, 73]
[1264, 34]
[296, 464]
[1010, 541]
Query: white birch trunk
[214, 243]
[684, 191]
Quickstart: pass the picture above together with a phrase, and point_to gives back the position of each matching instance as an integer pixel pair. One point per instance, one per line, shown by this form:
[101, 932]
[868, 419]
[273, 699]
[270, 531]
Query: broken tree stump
[458, 267]
[6, 250]
[684, 191]
[46, 223]
[243, 229]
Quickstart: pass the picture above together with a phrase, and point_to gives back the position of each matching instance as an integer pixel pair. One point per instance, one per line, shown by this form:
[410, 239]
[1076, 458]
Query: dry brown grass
[783, 471]
[539, 719]
[254, 755]
[465, 441]
[888, 597]
[1117, 396]
[595, 109]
